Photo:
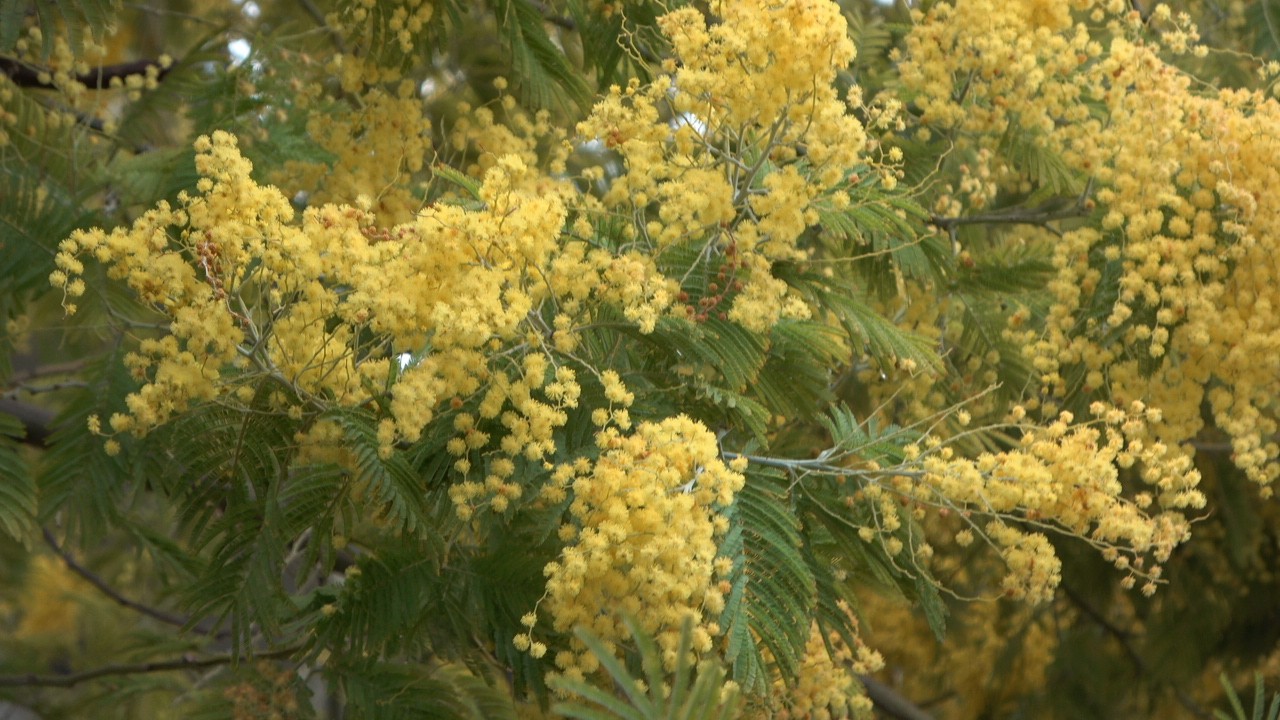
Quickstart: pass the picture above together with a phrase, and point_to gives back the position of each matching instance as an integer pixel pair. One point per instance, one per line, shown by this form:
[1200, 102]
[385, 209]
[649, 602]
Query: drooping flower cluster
[1062, 478]
[641, 540]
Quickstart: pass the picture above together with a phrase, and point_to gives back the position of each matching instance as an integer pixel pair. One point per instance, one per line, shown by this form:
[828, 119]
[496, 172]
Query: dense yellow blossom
[1183, 189]
[642, 540]
[1061, 478]
[761, 79]
[326, 305]
[395, 147]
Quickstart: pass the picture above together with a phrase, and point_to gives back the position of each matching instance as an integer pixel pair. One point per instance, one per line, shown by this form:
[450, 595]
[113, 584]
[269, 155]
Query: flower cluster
[325, 305]
[1182, 192]
[51, 602]
[827, 687]
[642, 541]
[1020, 639]
[382, 35]
[759, 81]
[1062, 478]
[489, 132]
[395, 142]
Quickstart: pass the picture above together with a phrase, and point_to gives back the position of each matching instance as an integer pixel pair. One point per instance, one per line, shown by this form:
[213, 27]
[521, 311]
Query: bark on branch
[27, 75]
[105, 589]
[186, 663]
[34, 418]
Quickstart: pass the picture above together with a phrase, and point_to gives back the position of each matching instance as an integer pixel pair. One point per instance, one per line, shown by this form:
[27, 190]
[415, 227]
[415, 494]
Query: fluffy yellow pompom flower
[644, 538]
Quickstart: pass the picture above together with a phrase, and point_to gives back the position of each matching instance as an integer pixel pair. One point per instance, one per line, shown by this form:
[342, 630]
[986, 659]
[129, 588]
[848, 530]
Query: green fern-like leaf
[772, 589]
[546, 78]
[316, 500]
[834, 535]
[1261, 711]
[885, 343]
[733, 409]
[418, 691]
[885, 234]
[1008, 273]
[459, 179]
[380, 610]
[866, 440]
[725, 352]
[620, 46]
[1044, 167]
[72, 19]
[502, 584]
[220, 459]
[693, 691]
[795, 380]
[393, 481]
[741, 651]
[17, 485]
[79, 483]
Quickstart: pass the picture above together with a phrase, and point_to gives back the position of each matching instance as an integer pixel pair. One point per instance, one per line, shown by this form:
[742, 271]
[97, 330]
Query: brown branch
[27, 75]
[314, 12]
[1033, 216]
[105, 589]
[204, 627]
[34, 418]
[18, 391]
[21, 375]
[33, 680]
[889, 702]
[1042, 215]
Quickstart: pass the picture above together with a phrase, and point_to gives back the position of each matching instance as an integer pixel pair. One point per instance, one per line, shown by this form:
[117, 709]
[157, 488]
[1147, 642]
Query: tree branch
[26, 75]
[20, 390]
[1032, 216]
[21, 375]
[1041, 215]
[34, 418]
[314, 12]
[204, 627]
[33, 680]
[890, 702]
[105, 589]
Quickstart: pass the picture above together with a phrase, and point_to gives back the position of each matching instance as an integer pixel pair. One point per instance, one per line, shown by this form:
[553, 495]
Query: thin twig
[33, 680]
[205, 627]
[310, 8]
[1033, 216]
[38, 371]
[1041, 215]
[105, 589]
[20, 390]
